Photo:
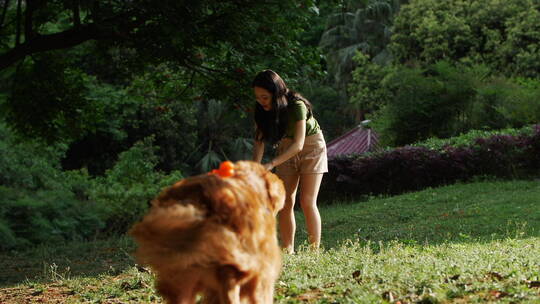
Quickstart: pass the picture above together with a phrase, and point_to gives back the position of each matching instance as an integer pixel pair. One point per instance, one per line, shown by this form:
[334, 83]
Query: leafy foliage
[425, 103]
[59, 93]
[470, 137]
[501, 34]
[206, 48]
[359, 26]
[367, 95]
[330, 108]
[124, 193]
[40, 203]
[520, 105]
[443, 100]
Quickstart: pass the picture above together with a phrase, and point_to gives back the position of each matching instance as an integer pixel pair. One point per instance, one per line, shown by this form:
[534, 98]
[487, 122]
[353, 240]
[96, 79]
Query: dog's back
[215, 236]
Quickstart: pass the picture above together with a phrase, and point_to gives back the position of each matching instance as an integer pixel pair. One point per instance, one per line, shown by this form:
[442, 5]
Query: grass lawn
[464, 243]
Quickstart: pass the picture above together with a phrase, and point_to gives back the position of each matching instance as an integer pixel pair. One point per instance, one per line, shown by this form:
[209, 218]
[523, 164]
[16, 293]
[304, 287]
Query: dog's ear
[276, 191]
[181, 192]
[207, 192]
[262, 180]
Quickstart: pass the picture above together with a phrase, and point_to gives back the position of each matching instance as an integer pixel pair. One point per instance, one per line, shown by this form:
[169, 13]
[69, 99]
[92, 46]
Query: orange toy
[226, 169]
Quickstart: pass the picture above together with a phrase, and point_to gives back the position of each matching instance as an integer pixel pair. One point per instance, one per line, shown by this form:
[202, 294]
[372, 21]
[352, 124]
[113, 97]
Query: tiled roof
[356, 141]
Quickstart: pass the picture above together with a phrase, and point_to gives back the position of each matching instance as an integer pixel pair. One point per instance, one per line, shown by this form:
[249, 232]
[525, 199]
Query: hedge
[413, 168]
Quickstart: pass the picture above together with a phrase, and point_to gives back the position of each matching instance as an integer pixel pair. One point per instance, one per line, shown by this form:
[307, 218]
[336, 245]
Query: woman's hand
[293, 149]
[269, 166]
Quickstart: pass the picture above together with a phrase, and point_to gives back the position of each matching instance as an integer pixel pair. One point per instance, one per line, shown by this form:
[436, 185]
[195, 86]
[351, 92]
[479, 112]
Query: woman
[285, 117]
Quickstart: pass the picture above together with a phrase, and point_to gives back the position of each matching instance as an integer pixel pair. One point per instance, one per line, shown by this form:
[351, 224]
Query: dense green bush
[41, 203]
[188, 127]
[522, 104]
[48, 99]
[504, 103]
[128, 115]
[51, 215]
[502, 34]
[38, 202]
[444, 100]
[424, 103]
[366, 91]
[124, 192]
[470, 138]
[490, 96]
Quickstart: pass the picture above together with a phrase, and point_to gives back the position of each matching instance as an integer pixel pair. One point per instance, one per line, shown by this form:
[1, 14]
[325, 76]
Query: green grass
[476, 212]
[504, 270]
[464, 243]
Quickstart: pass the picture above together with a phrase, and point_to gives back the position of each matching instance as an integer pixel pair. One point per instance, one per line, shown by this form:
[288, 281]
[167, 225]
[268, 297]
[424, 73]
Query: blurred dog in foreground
[215, 235]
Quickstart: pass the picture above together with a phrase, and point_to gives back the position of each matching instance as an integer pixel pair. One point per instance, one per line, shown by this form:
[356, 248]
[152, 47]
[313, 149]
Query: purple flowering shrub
[414, 168]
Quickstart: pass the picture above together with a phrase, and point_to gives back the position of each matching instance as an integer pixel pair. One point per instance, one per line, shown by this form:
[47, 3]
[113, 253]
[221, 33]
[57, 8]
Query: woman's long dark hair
[271, 125]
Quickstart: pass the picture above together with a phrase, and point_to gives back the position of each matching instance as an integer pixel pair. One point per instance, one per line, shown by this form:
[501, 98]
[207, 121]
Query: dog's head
[260, 181]
[250, 190]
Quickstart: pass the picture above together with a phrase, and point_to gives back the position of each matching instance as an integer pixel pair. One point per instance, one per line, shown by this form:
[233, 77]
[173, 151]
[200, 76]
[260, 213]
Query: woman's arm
[258, 150]
[294, 148]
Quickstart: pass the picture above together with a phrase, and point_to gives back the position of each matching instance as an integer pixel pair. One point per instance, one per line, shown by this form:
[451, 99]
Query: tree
[366, 90]
[501, 34]
[164, 30]
[223, 42]
[360, 26]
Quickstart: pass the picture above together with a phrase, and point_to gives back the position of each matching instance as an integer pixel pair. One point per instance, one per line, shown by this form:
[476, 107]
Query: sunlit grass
[468, 272]
[481, 211]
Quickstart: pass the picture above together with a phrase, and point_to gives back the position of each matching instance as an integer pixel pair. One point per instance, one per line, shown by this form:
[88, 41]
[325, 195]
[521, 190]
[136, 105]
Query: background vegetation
[105, 102]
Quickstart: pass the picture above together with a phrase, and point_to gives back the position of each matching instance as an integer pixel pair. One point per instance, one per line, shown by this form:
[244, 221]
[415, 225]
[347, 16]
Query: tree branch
[28, 24]
[188, 85]
[18, 34]
[4, 11]
[76, 13]
[69, 38]
[50, 42]
[201, 68]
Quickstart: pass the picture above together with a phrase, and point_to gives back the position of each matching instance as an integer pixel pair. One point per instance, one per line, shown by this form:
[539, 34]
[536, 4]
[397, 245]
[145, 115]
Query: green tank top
[297, 110]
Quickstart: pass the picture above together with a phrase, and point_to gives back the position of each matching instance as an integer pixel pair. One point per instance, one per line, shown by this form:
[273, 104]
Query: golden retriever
[215, 235]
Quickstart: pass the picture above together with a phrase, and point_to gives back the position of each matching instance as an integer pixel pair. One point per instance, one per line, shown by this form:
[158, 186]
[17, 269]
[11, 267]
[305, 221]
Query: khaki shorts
[312, 159]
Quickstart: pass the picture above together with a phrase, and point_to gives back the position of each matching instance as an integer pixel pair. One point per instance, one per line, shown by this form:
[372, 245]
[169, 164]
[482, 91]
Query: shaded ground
[64, 261]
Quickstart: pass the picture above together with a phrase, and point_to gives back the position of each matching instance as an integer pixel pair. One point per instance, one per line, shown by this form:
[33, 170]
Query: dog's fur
[215, 236]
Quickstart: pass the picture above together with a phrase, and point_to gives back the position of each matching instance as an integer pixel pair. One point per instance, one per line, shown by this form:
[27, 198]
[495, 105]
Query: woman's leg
[309, 189]
[287, 223]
